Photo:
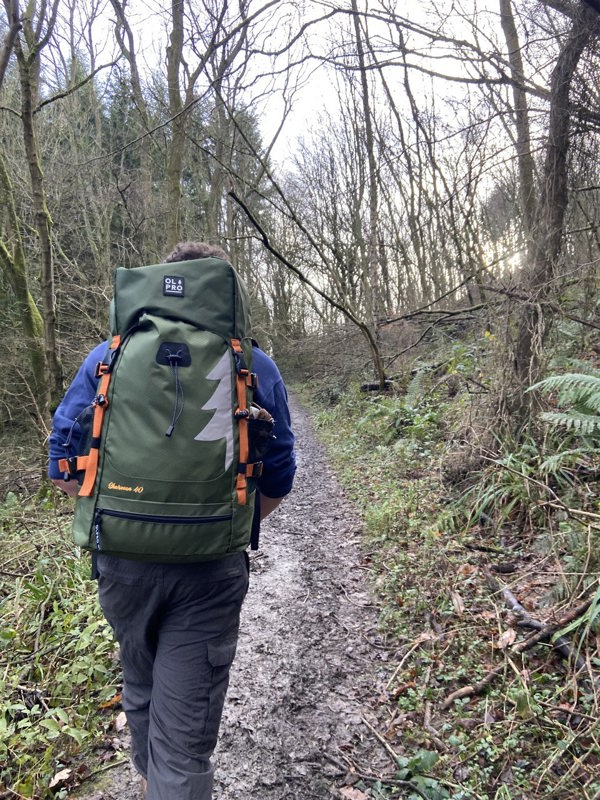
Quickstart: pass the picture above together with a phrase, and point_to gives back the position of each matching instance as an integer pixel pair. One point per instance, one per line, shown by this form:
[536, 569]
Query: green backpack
[168, 474]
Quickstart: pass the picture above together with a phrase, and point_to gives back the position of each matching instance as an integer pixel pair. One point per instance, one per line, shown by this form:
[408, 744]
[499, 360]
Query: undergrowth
[472, 547]
[57, 658]
[470, 539]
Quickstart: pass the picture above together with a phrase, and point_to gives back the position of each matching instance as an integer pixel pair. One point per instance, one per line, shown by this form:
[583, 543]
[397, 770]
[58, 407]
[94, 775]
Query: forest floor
[310, 661]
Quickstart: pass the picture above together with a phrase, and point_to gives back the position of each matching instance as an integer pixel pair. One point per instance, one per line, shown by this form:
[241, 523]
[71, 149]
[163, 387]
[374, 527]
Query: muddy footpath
[310, 660]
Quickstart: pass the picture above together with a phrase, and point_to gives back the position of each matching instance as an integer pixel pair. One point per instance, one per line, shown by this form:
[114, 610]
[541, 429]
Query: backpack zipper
[151, 518]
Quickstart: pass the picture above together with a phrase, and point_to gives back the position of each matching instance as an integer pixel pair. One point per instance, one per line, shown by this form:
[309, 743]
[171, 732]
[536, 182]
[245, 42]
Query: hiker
[176, 622]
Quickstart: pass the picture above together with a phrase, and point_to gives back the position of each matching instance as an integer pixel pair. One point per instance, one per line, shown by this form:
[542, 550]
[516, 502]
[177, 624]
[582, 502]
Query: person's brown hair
[188, 251]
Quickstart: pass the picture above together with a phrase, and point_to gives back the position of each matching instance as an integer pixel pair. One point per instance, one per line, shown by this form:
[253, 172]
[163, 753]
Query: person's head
[188, 251]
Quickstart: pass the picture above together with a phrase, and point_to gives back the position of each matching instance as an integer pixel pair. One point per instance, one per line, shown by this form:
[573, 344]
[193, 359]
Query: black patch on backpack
[173, 286]
[173, 354]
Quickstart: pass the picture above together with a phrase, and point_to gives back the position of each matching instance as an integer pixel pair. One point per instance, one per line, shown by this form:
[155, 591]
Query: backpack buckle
[240, 363]
[256, 469]
[252, 470]
[68, 466]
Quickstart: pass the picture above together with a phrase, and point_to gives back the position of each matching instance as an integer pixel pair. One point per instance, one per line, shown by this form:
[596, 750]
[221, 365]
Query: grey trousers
[177, 626]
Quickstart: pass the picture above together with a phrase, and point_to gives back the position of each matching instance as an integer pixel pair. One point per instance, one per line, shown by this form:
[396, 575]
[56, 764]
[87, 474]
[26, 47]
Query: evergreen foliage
[581, 393]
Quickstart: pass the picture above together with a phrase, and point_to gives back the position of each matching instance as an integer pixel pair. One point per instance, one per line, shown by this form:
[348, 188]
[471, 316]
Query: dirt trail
[309, 654]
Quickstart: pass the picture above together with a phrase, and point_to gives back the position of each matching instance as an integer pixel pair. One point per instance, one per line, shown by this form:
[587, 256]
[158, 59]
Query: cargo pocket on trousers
[220, 657]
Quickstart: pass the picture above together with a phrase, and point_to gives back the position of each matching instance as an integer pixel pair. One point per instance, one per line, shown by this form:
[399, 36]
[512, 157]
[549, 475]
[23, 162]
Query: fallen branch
[540, 636]
[580, 511]
[561, 644]
[113, 764]
[555, 307]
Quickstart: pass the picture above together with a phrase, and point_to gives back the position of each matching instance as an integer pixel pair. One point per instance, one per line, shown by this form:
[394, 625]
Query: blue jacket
[279, 464]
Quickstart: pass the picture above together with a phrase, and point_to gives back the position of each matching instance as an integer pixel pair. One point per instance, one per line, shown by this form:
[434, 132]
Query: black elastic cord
[174, 359]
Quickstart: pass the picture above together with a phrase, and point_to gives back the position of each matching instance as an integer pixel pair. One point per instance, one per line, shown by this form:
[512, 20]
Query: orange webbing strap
[241, 382]
[100, 405]
[71, 466]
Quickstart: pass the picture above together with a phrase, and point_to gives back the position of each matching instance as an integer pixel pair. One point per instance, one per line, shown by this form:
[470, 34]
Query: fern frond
[570, 381]
[583, 424]
[567, 458]
[575, 389]
[416, 389]
[562, 464]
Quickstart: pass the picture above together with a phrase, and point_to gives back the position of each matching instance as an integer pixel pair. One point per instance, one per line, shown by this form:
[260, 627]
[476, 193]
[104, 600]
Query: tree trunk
[372, 289]
[28, 74]
[548, 233]
[175, 156]
[14, 23]
[148, 244]
[14, 266]
[521, 114]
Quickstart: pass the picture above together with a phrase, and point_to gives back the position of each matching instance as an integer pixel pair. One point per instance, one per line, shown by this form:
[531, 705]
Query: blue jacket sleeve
[279, 464]
[66, 432]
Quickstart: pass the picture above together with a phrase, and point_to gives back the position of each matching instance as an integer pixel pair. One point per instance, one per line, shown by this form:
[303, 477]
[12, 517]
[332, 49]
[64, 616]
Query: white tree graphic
[221, 423]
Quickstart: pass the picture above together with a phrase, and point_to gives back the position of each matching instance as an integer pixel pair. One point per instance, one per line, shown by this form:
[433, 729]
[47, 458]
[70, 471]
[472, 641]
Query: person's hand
[68, 487]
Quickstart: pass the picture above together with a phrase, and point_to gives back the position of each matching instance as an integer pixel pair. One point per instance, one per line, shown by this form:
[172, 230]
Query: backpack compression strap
[244, 379]
[89, 463]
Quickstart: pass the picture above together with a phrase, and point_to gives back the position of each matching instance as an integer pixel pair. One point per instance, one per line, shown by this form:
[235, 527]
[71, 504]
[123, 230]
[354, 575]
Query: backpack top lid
[206, 292]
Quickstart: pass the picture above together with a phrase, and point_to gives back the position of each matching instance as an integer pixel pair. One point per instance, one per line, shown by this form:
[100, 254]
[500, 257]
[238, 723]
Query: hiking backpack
[168, 473]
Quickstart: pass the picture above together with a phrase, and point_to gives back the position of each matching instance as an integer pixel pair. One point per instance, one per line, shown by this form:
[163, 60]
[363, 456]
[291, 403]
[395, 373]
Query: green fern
[580, 394]
[563, 461]
[584, 424]
[416, 389]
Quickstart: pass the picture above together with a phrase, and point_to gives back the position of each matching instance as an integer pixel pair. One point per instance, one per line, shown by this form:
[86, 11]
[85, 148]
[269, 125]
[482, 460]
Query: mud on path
[309, 656]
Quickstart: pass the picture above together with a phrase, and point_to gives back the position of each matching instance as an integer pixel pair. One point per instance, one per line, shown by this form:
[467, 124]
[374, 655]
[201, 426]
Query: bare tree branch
[15, 25]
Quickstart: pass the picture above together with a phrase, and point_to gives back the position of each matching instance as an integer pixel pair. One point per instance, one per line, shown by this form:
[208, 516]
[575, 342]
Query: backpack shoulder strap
[100, 403]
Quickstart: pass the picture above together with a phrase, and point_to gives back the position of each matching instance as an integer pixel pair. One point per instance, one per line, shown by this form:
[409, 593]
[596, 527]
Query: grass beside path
[460, 562]
[58, 665]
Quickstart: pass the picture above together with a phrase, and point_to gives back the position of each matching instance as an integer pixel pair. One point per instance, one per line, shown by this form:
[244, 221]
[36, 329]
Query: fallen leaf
[60, 778]
[506, 638]
[121, 722]
[488, 719]
[354, 794]
[114, 701]
[458, 603]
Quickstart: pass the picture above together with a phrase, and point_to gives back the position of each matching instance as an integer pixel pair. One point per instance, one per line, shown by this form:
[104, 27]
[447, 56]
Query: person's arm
[268, 504]
[279, 463]
[68, 487]
[65, 428]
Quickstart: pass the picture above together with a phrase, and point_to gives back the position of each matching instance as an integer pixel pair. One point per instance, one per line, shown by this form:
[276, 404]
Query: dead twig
[540, 636]
[435, 736]
[561, 644]
[15, 574]
[36, 644]
[421, 639]
[352, 603]
[555, 307]
[395, 758]
[107, 767]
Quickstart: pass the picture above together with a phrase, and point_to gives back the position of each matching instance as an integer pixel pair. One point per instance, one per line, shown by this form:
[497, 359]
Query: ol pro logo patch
[173, 286]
